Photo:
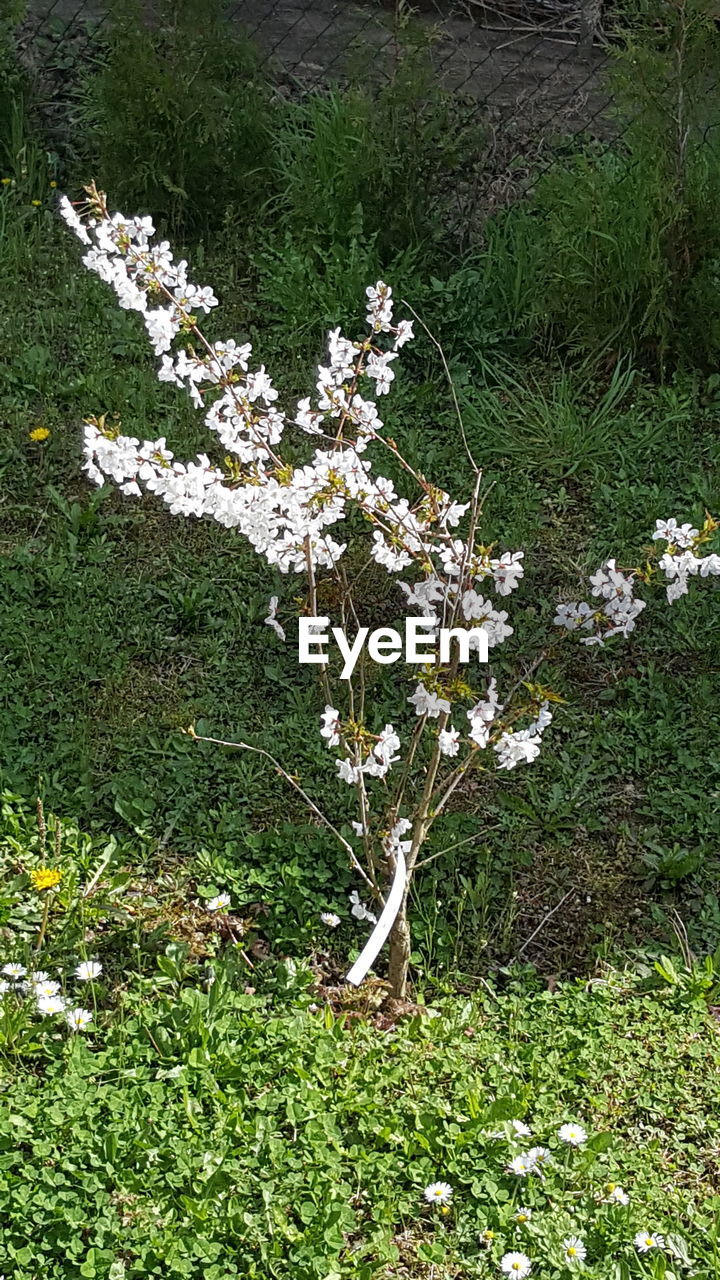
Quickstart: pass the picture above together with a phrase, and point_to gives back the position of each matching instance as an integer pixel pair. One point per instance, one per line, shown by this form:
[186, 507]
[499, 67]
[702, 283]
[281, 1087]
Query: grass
[232, 1110]
[123, 626]
[226, 1121]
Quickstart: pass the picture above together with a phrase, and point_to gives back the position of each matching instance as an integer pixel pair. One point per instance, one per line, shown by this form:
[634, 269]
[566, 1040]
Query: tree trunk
[399, 957]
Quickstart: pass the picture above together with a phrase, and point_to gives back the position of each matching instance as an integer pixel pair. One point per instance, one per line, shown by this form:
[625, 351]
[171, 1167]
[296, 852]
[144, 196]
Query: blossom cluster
[46, 991]
[367, 757]
[359, 910]
[287, 511]
[617, 606]
[679, 561]
[511, 747]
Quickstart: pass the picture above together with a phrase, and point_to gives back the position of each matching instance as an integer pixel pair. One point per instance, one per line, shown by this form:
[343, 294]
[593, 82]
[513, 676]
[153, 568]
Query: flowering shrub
[290, 513]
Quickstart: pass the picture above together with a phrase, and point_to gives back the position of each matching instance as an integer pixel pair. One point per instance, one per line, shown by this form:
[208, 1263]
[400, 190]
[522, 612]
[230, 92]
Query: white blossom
[73, 221]
[507, 572]
[677, 535]
[616, 1195]
[46, 988]
[403, 333]
[78, 1019]
[517, 1265]
[330, 729]
[574, 1134]
[521, 1129]
[219, 903]
[574, 1249]
[449, 741]
[645, 1241]
[427, 703]
[49, 1005]
[359, 910]
[379, 312]
[348, 772]
[520, 747]
[438, 1193]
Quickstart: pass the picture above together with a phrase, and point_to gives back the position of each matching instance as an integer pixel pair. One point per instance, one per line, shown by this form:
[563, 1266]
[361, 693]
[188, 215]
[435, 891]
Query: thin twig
[260, 751]
[544, 921]
[451, 847]
[448, 375]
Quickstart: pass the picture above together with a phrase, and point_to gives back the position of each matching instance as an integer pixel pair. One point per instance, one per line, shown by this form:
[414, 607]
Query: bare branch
[260, 751]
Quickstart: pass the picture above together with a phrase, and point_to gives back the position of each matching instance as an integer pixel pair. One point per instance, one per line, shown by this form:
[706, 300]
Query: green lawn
[123, 625]
[207, 1132]
[230, 1108]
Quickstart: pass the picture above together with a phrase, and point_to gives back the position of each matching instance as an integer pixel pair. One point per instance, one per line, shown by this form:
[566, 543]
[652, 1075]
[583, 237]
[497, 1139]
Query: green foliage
[224, 1115]
[24, 164]
[360, 163]
[627, 232]
[701, 982]
[616, 252]
[201, 1128]
[176, 119]
[358, 197]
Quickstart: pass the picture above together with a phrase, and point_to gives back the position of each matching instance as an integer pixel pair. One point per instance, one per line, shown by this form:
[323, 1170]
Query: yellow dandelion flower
[38, 434]
[53, 185]
[36, 203]
[6, 181]
[45, 878]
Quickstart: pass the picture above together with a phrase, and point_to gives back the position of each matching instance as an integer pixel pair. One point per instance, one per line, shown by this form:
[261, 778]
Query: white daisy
[574, 1249]
[88, 970]
[538, 1156]
[574, 1134]
[13, 970]
[646, 1240]
[49, 1005]
[220, 903]
[45, 989]
[517, 1265]
[523, 1215]
[438, 1193]
[78, 1019]
[330, 919]
[521, 1165]
[616, 1195]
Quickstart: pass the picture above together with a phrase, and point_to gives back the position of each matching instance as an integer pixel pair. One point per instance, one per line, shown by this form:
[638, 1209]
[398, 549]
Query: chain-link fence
[532, 71]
